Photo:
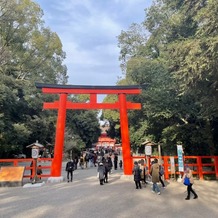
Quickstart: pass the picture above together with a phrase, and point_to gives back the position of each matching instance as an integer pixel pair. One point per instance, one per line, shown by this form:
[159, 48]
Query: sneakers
[155, 192]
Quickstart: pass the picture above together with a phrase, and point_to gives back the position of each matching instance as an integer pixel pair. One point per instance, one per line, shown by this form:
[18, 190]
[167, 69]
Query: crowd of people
[105, 161]
[142, 174]
[156, 173]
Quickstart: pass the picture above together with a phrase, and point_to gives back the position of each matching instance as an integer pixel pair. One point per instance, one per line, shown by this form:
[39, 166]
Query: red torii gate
[63, 104]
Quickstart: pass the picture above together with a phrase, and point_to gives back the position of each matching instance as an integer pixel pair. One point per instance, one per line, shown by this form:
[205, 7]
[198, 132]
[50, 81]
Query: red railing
[200, 165]
[30, 171]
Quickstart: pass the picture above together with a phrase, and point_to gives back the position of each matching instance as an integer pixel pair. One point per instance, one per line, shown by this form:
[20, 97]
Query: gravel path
[85, 198]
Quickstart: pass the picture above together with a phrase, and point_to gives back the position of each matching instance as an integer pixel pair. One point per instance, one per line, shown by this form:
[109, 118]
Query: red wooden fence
[201, 165]
[44, 162]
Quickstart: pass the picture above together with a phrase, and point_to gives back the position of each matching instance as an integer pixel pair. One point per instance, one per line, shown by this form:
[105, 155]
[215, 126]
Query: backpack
[186, 181]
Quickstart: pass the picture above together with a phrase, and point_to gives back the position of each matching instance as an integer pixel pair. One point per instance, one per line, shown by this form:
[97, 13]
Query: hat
[101, 164]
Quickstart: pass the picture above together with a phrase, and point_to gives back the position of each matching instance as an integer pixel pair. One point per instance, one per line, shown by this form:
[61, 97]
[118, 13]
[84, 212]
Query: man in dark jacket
[137, 175]
[70, 169]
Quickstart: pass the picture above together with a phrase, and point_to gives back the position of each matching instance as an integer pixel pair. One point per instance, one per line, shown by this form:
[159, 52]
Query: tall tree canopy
[29, 52]
[174, 52]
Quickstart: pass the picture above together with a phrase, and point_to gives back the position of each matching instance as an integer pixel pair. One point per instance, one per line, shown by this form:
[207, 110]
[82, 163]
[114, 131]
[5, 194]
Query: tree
[178, 63]
[29, 52]
[83, 124]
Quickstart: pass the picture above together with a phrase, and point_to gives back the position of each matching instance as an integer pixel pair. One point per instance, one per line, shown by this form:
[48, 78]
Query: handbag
[186, 181]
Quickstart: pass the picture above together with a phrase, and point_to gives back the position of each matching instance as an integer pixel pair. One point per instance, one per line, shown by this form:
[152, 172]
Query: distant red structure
[63, 104]
[105, 141]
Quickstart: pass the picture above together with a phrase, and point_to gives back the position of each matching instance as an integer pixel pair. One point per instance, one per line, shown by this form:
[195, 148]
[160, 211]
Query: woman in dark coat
[137, 175]
[101, 172]
[110, 164]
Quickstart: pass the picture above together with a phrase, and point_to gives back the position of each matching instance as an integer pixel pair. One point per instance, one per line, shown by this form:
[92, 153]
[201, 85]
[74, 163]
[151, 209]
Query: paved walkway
[85, 198]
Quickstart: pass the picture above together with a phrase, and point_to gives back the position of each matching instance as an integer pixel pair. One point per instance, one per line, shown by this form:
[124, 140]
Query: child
[121, 164]
[39, 172]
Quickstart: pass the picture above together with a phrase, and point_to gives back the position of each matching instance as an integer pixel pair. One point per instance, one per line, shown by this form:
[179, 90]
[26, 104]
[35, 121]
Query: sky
[88, 30]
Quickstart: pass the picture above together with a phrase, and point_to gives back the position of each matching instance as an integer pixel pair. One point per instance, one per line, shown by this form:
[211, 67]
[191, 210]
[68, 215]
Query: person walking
[115, 161]
[154, 172]
[121, 164]
[81, 162]
[110, 164]
[161, 173]
[107, 169]
[142, 167]
[137, 175]
[188, 175]
[39, 171]
[31, 171]
[70, 169]
[76, 160]
[86, 158]
[101, 173]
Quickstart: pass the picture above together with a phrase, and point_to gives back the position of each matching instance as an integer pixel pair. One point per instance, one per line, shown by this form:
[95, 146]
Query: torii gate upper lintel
[63, 104]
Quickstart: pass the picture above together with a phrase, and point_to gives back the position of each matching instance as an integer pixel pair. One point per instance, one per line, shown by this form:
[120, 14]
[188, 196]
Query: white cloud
[88, 31]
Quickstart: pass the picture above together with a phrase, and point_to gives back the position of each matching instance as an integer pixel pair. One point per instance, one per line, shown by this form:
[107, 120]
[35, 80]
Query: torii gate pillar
[59, 138]
[127, 159]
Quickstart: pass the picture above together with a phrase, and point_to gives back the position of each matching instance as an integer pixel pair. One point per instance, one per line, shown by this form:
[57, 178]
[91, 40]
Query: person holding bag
[188, 180]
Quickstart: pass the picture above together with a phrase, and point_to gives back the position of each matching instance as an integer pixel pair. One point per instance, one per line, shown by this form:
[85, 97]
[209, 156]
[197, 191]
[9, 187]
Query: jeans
[156, 187]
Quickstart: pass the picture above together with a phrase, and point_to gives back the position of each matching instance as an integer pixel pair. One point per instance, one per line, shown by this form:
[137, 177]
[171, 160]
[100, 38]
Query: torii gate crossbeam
[63, 104]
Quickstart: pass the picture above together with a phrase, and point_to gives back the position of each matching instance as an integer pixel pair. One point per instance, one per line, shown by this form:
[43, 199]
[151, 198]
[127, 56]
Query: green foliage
[73, 144]
[31, 52]
[178, 65]
[84, 124]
